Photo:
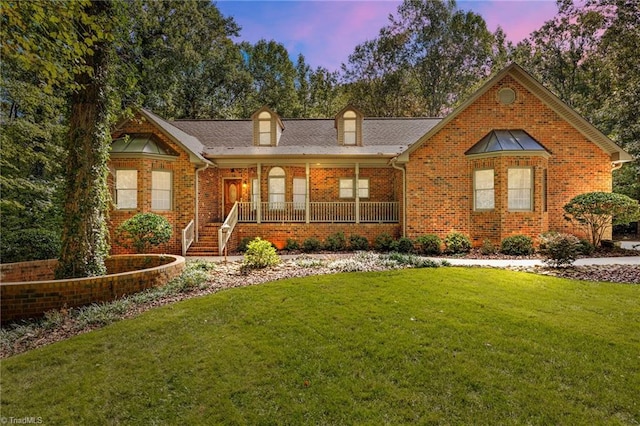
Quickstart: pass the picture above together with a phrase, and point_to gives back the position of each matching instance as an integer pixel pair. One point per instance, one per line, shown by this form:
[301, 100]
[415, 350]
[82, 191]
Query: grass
[443, 346]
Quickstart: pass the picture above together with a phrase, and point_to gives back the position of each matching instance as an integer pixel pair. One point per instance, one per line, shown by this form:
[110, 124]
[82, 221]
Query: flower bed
[29, 290]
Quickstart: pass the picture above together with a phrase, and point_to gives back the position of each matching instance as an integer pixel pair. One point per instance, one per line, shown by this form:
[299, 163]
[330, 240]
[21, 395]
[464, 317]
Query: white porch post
[259, 206]
[307, 202]
[357, 186]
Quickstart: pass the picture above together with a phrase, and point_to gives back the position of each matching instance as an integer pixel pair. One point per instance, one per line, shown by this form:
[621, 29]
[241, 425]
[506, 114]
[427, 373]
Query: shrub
[242, 245]
[585, 247]
[311, 244]
[457, 243]
[291, 245]
[358, 242]
[143, 231]
[403, 245]
[260, 254]
[517, 245]
[559, 249]
[429, 244]
[336, 242]
[383, 242]
[29, 244]
[487, 247]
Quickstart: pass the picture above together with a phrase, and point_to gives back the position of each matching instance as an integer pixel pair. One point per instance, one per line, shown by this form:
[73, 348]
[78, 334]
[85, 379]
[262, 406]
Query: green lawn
[446, 345]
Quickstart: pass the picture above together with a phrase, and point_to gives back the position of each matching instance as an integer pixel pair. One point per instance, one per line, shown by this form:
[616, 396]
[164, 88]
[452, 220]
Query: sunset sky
[326, 32]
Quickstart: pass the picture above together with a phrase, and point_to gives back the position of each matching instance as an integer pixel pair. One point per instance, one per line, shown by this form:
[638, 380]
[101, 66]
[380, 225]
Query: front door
[232, 193]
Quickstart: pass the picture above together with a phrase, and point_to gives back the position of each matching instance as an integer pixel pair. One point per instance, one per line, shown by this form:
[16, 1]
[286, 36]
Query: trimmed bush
[242, 245]
[336, 242]
[457, 243]
[358, 243]
[585, 247]
[260, 254]
[429, 244]
[383, 242]
[559, 249]
[517, 245]
[403, 245]
[311, 244]
[29, 244]
[143, 231]
[291, 245]
[487, 247]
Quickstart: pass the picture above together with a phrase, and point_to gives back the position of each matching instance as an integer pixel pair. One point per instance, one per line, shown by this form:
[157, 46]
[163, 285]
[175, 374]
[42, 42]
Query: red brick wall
[183, 203]
[28, 289]
[440, 176]
[280, 233]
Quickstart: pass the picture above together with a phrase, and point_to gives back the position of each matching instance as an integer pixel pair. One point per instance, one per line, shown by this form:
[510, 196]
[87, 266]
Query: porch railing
[188, 235]
[224, 233]
[327, 212]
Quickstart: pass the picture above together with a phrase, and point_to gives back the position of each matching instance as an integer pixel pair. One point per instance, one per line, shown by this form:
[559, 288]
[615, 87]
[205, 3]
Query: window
[347, 190]
[349, 123]
[276, 188]
[160, 190]
[520, 189]
[126, 189]
[264, 128]
[484, 194]
[255, 192]
[299, 193]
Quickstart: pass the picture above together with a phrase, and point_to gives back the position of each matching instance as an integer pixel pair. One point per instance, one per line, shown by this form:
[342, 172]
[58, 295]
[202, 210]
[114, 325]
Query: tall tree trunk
[84, 236]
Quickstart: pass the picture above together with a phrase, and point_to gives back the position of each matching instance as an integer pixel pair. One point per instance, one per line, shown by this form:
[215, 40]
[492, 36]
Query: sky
[327, 31]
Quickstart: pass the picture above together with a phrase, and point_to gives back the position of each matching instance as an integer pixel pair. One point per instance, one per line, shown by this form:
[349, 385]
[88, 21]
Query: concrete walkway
[500, 263]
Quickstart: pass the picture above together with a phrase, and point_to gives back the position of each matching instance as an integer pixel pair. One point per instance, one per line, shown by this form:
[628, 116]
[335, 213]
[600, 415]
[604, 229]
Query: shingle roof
[307, 136]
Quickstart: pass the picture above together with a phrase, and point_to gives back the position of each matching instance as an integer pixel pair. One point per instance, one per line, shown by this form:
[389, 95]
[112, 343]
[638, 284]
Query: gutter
[404, 194]
[197, 197]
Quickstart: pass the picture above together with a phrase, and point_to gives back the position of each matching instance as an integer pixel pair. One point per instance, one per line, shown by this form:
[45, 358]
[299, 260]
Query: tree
[273, 76]
[84, 232]
[429, 58]
[190, 68]
[595, 211]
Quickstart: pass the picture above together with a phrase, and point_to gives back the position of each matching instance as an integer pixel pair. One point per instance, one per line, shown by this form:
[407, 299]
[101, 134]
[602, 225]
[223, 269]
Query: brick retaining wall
[29, 290]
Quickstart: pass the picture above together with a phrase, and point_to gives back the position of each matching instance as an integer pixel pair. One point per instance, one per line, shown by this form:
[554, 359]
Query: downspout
[196, 219]
[616, 166]
[404, 194]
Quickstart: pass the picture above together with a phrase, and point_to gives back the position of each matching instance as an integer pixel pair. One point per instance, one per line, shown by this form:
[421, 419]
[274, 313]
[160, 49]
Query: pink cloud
[326, 32]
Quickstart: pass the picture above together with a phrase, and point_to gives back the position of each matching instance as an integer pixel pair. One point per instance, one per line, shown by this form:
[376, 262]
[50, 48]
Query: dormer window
[267, 127]
[348, 124]
[350, 131]
[264, 128]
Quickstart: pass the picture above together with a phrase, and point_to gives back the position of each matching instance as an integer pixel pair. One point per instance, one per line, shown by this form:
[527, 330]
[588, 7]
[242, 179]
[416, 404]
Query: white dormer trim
[267, 127]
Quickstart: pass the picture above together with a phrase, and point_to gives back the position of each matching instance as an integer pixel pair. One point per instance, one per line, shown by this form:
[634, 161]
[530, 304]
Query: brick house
[503, 163]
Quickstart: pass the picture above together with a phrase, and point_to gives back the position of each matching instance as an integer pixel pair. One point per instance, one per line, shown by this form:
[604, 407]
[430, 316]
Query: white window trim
[118, 189]
[297, 203]
[351, 117]
[274, 203]
[155, 190]
[476, 190]
[264, 117]
[352, 188]
[532, 184]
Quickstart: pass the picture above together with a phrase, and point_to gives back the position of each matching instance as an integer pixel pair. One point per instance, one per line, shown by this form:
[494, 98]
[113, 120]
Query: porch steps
[207, 244]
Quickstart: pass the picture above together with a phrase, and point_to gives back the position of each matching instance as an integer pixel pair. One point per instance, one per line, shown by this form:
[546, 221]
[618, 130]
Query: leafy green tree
[190, 67]
[273, 76]
[84, 233]
[429, 57]
[596, 211]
